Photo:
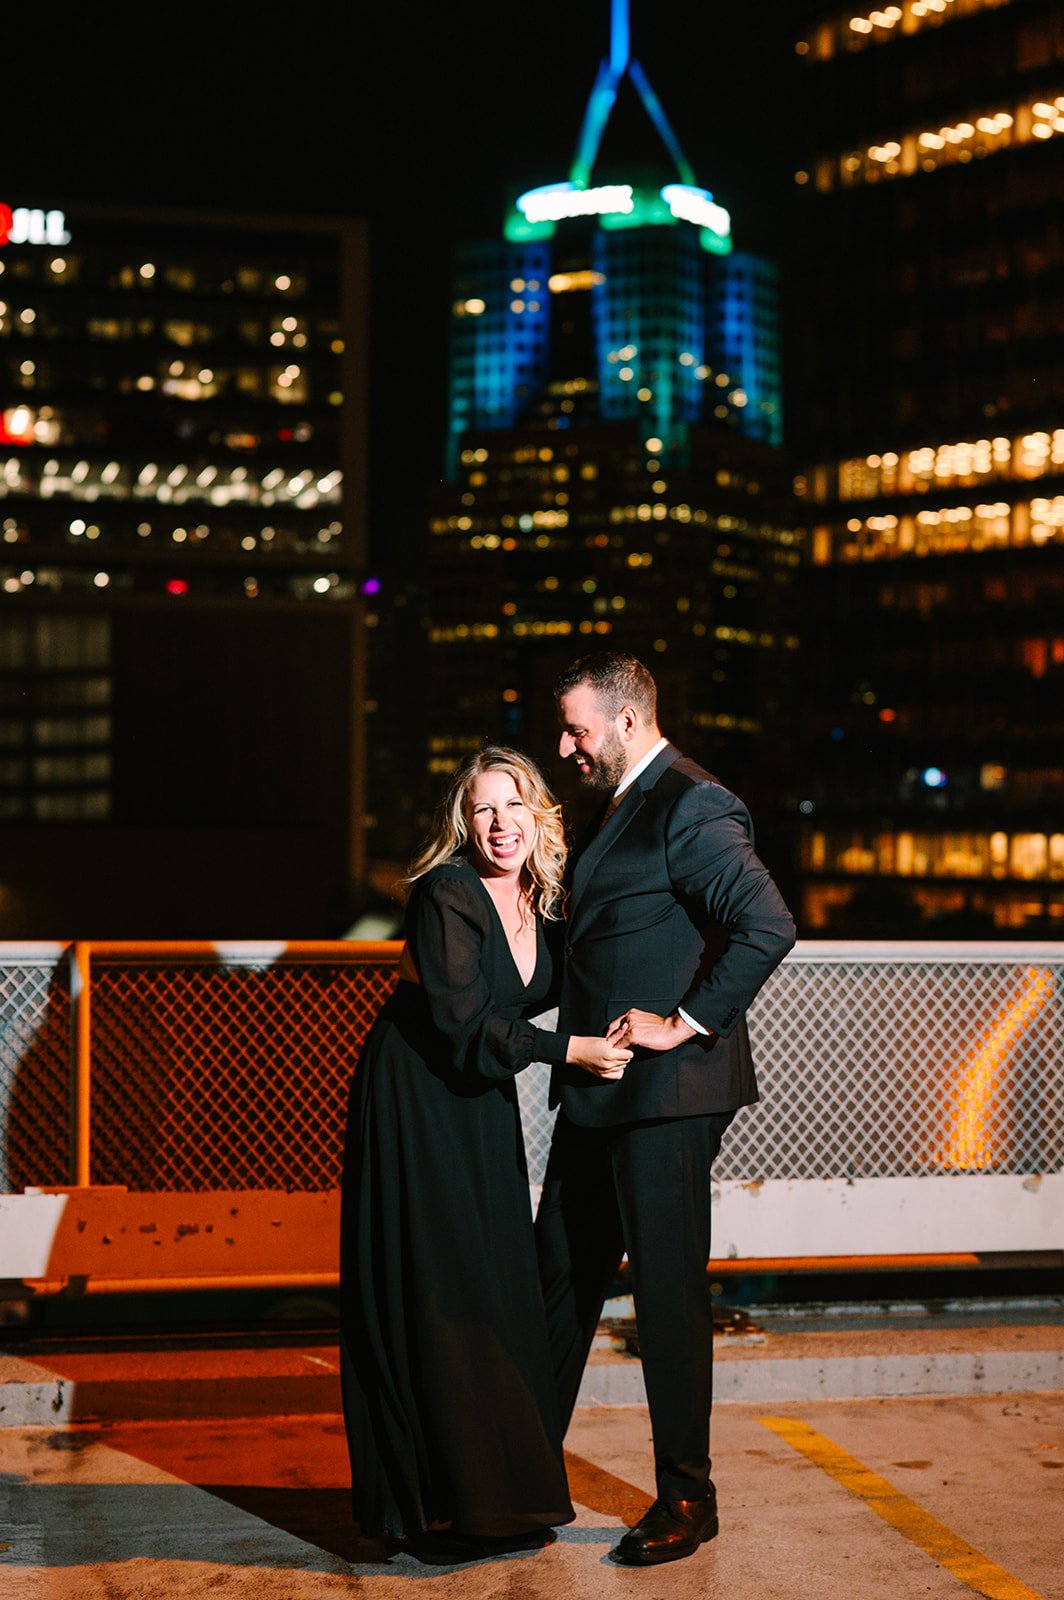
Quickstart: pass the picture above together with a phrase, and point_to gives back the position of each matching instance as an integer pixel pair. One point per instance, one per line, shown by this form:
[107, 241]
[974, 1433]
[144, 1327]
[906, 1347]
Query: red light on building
[16, 425]
[177, 586]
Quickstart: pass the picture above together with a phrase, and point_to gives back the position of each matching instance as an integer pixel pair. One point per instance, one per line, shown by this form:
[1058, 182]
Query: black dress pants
[643, 1188]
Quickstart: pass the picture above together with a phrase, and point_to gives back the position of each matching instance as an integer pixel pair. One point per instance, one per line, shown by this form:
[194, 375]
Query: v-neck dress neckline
[538, 922]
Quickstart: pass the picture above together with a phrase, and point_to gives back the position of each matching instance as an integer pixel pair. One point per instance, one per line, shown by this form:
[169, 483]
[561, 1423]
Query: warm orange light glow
[566, 282]
[970, 1142]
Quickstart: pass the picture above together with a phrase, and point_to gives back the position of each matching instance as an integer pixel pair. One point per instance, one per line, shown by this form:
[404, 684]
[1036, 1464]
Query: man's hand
[648, 1030]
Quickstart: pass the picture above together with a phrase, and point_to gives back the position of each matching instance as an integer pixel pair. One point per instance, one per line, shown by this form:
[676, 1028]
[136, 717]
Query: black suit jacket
[669, 906]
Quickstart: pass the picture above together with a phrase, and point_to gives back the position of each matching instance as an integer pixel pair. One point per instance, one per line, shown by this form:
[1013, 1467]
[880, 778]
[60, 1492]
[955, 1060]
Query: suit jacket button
[568, 949]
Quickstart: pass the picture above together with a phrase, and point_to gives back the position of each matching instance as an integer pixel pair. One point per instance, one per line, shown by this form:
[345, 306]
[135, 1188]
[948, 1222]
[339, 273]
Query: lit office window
[92, 806]
[72, 641]
[184, 332]
[71, 769]
[990, 129]
[72, 730]
[60, 693]
[288, 383]
[865, 26]
[971, 855]
[981, 525]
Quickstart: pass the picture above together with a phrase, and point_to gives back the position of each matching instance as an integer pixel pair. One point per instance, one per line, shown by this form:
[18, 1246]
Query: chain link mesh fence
[890, 1068]
[227, 1076]
[34, 1068]
[904, 1067]
[218, 1075]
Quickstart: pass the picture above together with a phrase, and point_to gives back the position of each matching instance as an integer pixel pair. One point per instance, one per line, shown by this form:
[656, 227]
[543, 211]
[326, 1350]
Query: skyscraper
[614, 474]
[932, 442]
[181, 505]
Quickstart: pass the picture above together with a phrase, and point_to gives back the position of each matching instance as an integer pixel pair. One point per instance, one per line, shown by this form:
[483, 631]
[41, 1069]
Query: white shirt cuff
[690, 1021]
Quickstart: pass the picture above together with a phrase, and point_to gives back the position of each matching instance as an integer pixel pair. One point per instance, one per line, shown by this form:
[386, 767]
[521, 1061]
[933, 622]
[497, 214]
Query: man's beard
[609, 766]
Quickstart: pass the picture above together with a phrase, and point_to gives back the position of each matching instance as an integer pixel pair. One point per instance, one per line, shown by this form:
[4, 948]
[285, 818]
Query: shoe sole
[452, 1550]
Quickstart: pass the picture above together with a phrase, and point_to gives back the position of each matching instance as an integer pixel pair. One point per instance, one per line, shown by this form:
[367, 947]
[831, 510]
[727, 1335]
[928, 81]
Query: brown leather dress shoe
[669, 1530]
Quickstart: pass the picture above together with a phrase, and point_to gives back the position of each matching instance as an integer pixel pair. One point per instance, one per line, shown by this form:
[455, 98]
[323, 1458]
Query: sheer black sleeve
[447, 925]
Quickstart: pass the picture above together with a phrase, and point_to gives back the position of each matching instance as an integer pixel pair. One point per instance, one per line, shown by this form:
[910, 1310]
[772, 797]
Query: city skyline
[418, 126]
[917, 288]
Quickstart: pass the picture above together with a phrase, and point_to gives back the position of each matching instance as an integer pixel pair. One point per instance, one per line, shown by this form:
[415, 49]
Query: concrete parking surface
[863, 1499]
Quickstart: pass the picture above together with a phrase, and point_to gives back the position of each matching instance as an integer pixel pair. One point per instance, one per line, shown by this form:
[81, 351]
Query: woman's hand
[598, 1056]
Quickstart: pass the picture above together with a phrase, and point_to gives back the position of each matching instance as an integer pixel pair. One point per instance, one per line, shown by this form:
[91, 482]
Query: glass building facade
[181, 540]
[677, 336]
[932, 450]
[615, 480]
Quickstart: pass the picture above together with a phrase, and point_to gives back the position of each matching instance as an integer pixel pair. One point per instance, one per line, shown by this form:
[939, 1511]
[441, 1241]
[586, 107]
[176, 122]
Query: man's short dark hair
[616, 679]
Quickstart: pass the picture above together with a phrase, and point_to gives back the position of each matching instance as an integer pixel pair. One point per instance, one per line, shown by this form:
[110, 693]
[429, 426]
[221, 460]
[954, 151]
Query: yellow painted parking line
[981, 1575]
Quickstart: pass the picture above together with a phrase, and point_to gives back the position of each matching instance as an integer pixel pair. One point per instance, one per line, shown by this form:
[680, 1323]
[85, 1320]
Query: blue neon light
[596, 116]
[656, 113]
[620, 36]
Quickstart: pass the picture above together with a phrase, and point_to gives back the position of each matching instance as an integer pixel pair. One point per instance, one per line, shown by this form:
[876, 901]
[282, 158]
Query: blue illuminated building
[672, 309]
[501, 337]
[614, 473]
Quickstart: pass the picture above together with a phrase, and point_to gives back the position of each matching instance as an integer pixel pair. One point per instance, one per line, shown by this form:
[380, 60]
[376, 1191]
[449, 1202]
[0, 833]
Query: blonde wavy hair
[450, 836]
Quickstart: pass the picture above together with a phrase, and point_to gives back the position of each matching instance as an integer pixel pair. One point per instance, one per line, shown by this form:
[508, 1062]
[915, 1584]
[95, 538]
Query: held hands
[604, 1058]
[649, 1031]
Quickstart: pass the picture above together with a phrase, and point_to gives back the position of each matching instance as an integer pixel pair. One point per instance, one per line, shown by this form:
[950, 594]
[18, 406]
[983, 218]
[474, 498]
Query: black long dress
[449, 1397]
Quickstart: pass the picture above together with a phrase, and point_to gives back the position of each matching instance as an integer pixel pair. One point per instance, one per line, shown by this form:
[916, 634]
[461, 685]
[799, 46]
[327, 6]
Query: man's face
[591, 739]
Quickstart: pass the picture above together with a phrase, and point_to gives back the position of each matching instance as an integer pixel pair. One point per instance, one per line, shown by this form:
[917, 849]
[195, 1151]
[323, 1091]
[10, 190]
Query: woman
[448, 1387]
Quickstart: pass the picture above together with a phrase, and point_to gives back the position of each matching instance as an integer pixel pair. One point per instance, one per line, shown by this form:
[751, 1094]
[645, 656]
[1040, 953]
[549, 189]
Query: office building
[932, 448]
[614, 474]
[181, 548]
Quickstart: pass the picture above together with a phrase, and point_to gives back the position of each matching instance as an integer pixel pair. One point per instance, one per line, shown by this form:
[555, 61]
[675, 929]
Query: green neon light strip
[714, 242]
[649, 210]
[519, 230]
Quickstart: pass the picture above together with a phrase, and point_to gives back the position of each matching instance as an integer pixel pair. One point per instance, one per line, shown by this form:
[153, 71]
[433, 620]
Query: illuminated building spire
[656, 322]
[620, 204]
[611, 72]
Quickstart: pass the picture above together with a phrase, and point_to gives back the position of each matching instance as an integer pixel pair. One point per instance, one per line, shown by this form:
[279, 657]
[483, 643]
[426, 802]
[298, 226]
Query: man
[673, 926]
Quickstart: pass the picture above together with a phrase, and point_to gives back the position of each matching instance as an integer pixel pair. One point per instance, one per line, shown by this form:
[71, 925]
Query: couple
[461, 1356]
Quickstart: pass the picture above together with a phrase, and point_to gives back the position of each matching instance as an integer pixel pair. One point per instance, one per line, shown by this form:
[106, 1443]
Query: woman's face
[501, 827]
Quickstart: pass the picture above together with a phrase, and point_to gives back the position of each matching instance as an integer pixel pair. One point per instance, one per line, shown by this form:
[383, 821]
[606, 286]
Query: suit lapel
[597, 843]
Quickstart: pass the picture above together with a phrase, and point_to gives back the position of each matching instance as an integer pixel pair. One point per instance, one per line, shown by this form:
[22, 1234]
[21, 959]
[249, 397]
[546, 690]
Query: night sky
[420, 118]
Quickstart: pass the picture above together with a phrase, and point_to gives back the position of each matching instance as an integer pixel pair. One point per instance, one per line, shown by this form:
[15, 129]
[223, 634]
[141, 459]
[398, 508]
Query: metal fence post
[80, 1064]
